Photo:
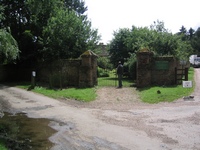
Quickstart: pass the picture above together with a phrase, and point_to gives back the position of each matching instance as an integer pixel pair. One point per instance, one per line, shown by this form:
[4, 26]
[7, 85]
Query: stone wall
[80, 72]
[163, 73]
[156, 70]
[59, 73]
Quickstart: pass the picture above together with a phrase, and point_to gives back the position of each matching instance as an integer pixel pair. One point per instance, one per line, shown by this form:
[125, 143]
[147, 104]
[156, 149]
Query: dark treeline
[45, 30]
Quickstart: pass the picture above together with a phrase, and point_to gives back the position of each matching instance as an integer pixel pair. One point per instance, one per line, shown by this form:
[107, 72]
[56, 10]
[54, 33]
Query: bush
[102, 72]
[131, 66]
[104, 62]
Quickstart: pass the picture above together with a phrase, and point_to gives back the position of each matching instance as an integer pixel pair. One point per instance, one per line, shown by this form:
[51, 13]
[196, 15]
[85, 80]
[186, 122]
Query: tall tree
[27, 20]
[191, 33]
[77, 5]
[195, 42]
[17, 18]
[66, 35]
[184, 49]
[158, 26]
[183, 30]
[183, 33]
[119, 49]
[127, 42]
[9, 51]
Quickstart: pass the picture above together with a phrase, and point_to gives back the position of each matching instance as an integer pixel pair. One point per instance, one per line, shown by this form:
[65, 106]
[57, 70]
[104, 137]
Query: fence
[181, 74]
[109, 78]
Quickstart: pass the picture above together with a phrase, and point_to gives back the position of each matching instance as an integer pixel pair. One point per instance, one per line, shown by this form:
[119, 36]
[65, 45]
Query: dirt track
[117, 120]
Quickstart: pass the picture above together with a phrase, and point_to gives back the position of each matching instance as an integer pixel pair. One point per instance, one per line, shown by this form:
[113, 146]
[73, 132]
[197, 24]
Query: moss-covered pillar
[144, 69]
[88, 69]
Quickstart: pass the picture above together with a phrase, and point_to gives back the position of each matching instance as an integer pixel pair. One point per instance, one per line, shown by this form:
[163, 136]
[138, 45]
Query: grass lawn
[86, 94]
[81, 94]
[168, 94]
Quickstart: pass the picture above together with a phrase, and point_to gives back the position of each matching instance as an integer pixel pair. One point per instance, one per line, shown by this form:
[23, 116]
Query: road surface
[139, 126]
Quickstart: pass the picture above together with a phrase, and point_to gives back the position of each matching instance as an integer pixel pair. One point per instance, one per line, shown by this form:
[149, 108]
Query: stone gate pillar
[88, 69]
[144, 69]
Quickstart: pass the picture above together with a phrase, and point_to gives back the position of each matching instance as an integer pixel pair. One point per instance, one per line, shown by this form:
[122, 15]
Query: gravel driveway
[117, 120]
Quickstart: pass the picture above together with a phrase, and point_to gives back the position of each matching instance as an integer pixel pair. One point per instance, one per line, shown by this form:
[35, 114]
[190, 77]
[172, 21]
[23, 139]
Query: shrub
[102, 72]
[104, 62]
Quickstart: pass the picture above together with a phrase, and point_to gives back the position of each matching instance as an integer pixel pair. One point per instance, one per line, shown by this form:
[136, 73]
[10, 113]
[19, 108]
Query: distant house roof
[104, 51]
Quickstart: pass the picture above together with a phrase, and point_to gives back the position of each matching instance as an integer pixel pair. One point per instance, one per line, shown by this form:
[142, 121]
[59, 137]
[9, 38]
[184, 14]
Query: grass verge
[81, 94]
[168, 94]
[86, 94]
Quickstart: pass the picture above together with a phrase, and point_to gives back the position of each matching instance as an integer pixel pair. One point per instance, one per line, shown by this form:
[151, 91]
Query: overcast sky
[109, 15]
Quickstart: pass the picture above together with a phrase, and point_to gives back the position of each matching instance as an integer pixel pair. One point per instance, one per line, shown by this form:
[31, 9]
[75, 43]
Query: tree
[184, 49]
[76, 5]
[2, 17]
[197, 33]
[67, 36]
[28, 19]
[9, 51]
[158, 26]
[127, 42]
[195, 42]
[119, 49]
[183, 30]
[191, 33]
[17, 18]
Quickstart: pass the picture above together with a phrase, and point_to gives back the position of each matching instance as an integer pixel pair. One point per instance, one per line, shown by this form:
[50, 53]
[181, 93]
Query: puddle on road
[19, 132]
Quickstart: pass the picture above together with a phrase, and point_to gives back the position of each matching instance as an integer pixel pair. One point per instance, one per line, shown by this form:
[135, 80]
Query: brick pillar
[144, 69]
[88, 69]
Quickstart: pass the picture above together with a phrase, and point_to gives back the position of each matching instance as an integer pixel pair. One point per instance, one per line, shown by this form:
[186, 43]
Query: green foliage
[39, 28]
[2, 146]
[104, 62]
[67, 35]
[2, 17]
[158, 26]
[157, 39]
[9, 51]
[119, 50]
[102, 72]
[131, 63]
[195, 41]
[17, 18]
[184, 50]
